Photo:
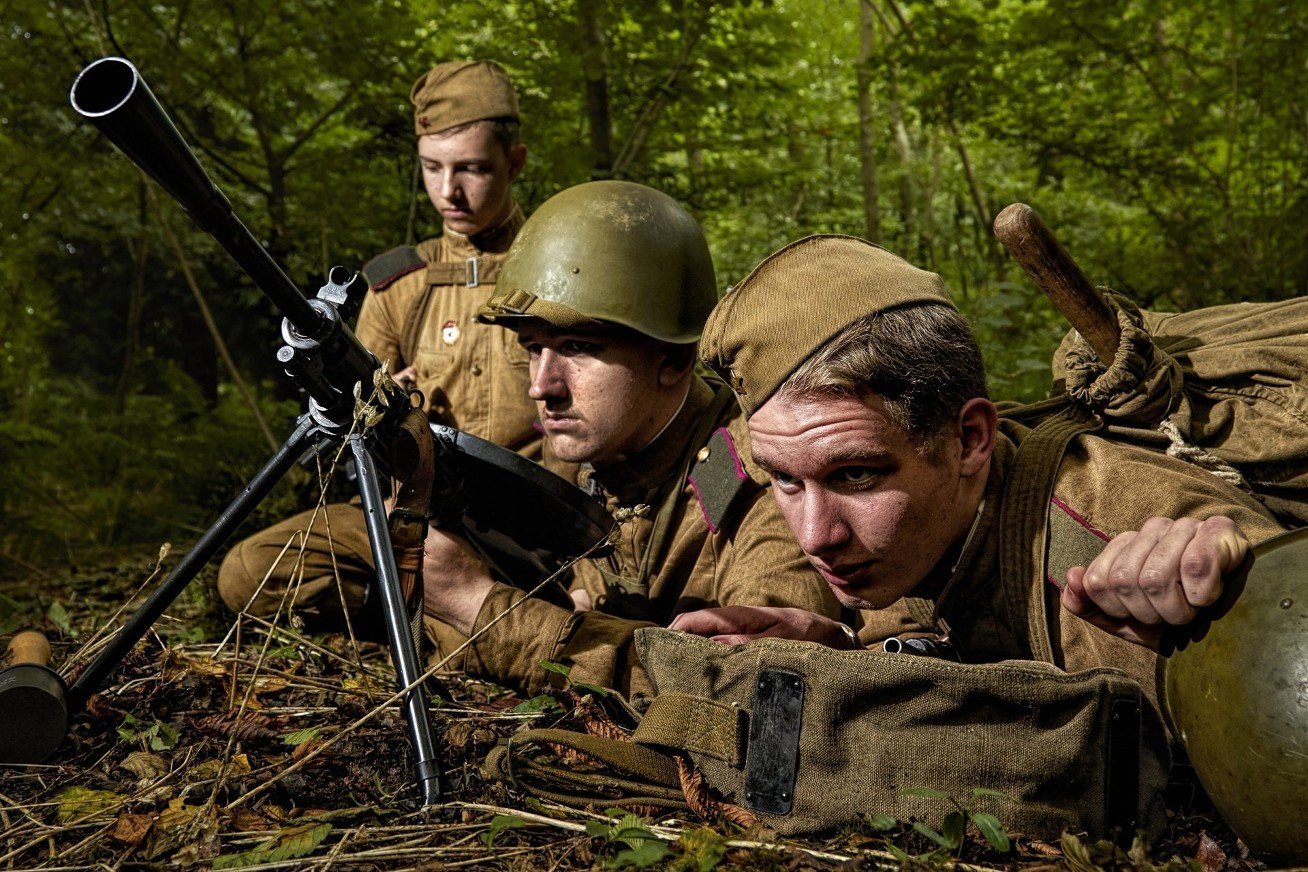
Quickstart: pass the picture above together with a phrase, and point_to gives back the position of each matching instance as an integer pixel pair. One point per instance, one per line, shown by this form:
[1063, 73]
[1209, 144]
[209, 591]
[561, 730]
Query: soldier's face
[468, 176]
[873, 515]
[602, 395]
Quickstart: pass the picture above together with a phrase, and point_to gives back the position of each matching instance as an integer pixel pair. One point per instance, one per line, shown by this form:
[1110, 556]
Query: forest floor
[257, 746]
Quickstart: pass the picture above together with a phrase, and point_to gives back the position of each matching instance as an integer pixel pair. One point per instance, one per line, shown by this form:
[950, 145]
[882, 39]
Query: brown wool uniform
[989, 602]
[1102, 488]
[665, 563]
[472, 376]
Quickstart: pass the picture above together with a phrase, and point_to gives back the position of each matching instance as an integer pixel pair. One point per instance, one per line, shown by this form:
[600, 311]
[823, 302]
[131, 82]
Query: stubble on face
[594, 390]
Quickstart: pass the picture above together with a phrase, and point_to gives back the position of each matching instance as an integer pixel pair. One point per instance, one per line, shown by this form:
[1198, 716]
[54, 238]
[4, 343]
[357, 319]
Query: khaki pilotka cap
[796, 301]
[461, 92]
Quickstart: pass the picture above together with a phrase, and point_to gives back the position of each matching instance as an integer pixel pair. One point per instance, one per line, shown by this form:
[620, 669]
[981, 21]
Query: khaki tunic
[751, 560]
[472, 376]
[1102, 488]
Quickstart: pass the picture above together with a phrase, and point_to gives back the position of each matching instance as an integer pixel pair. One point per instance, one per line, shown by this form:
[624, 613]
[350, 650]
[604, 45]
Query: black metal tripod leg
[397, 626]
[232, 517]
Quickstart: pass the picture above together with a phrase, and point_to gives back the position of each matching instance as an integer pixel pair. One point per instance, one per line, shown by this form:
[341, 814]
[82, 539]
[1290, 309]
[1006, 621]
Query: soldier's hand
[407, 378]
[733, 625]
[1158, 576]
[455, 580]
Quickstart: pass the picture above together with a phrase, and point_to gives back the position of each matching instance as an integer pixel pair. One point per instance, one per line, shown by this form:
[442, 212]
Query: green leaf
[953, 828]
[551, 666]
[640, 856]
[79, 803]
[299, 737]
[288, 844]
[993, 831]
[986, 791]
[882, 822]
[58, 615]
[162, 736]
[924, 792]
[933, 835]
[130, 728]
[499, 824]
[703, 848]
[598, 829]
[591, 688]
[541, 703]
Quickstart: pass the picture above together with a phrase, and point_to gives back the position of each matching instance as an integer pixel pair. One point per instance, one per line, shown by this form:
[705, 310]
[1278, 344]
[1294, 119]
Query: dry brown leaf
[269, 684]
[144, 765]
[131, 829]
[244, 820]
[205, 666]
[248, 728]
[1210, 854]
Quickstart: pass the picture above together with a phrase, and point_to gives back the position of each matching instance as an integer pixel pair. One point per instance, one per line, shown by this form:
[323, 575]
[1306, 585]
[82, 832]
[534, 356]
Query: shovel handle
[28, 648]
[1038, 251]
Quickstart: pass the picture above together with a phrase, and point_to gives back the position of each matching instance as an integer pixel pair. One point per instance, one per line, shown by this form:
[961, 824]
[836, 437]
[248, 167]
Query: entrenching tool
[33, 707]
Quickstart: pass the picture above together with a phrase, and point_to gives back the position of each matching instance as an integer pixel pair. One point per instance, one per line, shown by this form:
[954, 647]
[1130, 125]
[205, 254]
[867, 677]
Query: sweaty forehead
[540, 330]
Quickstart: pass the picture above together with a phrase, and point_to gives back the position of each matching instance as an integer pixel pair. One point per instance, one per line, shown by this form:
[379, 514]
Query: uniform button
[476, 369]
[703, 454]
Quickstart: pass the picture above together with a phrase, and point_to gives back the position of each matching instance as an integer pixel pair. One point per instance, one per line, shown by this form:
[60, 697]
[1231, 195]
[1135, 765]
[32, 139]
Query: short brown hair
[921, 359]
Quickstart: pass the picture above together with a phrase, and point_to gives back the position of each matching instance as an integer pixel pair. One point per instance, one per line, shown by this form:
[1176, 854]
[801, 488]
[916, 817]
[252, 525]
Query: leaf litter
[280, 753]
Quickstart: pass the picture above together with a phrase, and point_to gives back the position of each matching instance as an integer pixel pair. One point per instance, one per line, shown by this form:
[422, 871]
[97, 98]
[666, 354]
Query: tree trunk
[221, 345]
[136, 293]
[594, 62]
[866, 142]
[985, 219]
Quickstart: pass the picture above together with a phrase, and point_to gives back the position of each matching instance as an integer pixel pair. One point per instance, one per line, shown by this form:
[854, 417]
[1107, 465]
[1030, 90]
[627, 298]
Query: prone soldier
[419, 317]
[868, 409]
[606, 290]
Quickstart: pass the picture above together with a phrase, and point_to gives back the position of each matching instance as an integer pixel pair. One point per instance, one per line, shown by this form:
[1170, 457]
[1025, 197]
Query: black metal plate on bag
[772, 760]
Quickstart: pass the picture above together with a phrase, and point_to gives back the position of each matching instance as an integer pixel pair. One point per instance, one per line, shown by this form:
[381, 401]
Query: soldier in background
[419, 318]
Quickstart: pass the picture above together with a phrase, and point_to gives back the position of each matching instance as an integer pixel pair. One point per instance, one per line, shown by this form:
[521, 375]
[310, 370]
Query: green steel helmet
[1235, 689]
[608, 252]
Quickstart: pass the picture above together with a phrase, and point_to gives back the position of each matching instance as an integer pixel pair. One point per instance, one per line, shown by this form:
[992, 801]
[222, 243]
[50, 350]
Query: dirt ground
[223, 744]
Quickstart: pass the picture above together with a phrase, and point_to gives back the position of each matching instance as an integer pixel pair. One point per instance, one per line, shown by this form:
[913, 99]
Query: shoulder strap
[1024, 518]
[718, 477]
[722, 398]
[382, 271]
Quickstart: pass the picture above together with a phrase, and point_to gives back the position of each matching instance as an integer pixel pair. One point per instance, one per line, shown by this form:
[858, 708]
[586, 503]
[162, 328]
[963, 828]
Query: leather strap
[1024, 518]
[413, 469]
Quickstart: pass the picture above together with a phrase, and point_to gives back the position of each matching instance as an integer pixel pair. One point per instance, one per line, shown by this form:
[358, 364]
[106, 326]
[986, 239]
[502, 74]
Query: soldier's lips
[558, 423]
[846, 574]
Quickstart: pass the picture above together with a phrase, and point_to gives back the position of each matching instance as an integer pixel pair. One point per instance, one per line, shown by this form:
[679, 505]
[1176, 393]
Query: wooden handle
[1034, 247]
[28, 647]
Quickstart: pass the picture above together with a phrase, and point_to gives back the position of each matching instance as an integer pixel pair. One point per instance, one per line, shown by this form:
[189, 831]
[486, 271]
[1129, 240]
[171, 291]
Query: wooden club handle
[1035, 248]
[28, 647]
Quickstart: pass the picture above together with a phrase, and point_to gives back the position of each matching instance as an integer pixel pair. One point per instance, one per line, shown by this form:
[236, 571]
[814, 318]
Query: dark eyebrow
[853, 457]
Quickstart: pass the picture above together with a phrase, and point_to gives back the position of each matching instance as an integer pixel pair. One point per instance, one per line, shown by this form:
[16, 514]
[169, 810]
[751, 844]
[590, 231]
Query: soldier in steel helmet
[868, 409]
[419, 318]
[606, 290]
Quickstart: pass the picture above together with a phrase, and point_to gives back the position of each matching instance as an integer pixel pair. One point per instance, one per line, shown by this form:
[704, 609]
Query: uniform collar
[492, 240]
[639, 478]
[979, 558]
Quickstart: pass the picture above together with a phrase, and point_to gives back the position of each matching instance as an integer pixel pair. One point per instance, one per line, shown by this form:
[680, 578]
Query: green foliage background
[1164, 141]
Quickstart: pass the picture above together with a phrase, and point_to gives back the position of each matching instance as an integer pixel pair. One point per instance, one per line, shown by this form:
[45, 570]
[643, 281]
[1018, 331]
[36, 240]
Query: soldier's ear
[978, 422]
[678, 361]
[517, 160]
